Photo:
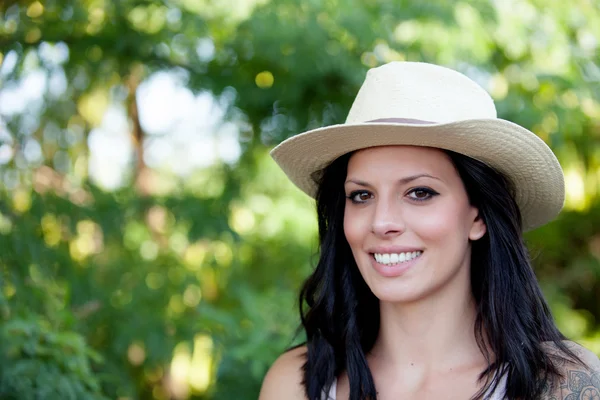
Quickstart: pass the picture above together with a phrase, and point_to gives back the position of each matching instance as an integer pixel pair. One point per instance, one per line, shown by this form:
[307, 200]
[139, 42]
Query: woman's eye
[360, 196]
[421, 194]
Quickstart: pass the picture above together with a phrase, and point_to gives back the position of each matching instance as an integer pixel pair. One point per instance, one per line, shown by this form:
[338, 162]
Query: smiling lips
[389, 259]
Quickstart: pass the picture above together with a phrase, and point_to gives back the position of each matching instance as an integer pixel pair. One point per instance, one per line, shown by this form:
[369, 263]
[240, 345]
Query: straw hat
[418, 104]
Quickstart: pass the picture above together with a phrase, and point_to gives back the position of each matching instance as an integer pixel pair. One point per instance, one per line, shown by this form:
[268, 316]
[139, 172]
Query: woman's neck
[435, 333]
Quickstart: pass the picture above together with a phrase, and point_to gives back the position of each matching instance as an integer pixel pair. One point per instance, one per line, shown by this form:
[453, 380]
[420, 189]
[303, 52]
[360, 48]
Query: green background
[174, 287]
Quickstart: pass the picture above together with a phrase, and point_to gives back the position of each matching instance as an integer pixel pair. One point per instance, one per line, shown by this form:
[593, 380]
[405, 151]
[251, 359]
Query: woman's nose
[387, 219]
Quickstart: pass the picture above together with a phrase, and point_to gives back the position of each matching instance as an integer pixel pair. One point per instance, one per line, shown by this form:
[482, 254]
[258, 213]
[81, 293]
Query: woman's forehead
[377, 160]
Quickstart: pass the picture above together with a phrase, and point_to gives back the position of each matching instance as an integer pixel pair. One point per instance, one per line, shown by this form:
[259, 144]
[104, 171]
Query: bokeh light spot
[33, 35]
[242, 220]
[51, 229]
[21, 200]
[154, 280]
[264, 80]
[192, 296]
[35, 10]
[201, 363]
[136, 354]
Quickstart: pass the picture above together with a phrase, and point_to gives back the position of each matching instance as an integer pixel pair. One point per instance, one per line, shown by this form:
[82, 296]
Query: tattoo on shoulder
[579, 382]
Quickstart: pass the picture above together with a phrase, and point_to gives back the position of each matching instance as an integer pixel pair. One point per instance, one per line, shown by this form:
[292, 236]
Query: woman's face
[409, 222]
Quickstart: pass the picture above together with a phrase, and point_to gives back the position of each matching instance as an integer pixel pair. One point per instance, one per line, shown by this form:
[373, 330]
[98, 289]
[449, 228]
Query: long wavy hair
[340, 314]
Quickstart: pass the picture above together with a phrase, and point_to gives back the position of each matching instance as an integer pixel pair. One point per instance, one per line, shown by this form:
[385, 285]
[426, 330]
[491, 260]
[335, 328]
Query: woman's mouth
[390, 259]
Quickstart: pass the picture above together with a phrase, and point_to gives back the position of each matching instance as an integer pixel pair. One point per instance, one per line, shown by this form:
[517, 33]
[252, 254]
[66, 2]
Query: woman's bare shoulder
[284, 378]
[579, 381]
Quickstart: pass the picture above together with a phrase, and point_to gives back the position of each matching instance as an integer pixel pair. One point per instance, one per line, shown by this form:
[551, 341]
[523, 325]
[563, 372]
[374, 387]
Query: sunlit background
[150, 247]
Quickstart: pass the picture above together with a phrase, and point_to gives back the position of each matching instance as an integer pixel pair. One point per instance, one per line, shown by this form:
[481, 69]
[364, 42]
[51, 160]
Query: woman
[424, 288]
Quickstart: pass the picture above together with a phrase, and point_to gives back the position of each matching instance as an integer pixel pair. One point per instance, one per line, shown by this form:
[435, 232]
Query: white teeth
[395, 258]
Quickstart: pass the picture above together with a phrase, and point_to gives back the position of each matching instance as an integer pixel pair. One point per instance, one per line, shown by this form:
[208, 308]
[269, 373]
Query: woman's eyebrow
[402, 181]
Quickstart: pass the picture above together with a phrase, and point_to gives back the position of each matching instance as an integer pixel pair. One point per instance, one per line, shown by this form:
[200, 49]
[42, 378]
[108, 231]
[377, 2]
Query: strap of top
[332, 391]
[500, 391]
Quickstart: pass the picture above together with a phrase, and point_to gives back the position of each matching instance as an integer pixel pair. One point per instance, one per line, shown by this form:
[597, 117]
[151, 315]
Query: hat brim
[512, 150]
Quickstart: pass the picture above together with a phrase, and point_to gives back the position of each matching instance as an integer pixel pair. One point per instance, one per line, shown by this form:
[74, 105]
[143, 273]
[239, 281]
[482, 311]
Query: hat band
[403, 121]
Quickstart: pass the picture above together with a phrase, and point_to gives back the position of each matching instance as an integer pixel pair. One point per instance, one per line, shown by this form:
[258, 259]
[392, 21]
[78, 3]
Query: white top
[498, 394]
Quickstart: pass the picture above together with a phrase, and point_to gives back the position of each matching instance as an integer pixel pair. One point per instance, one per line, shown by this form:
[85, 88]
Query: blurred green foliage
[185, 287]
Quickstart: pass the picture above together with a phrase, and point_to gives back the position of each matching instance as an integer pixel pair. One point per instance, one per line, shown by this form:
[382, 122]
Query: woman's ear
[478, 229]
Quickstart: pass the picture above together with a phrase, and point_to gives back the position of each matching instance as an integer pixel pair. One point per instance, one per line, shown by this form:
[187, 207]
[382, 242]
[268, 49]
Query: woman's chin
[397, 294]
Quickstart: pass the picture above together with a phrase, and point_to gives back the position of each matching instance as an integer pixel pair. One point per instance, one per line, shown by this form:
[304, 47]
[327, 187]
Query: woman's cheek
[428, 218]
[350, 226]
[357, 225]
